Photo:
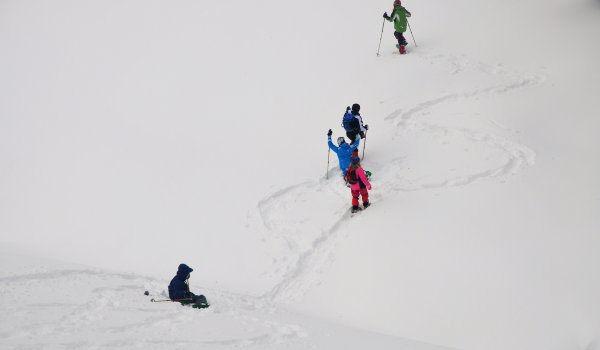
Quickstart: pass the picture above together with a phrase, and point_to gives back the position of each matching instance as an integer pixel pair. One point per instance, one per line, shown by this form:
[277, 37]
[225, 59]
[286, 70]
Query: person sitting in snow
[179, 289]
[359, 184]
[344, 151]
[353, 123]
[399, 17]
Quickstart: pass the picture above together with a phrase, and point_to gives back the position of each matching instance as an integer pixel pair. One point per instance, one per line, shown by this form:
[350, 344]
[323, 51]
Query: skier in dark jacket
[399, 17]
[179, 289]
[353, 123]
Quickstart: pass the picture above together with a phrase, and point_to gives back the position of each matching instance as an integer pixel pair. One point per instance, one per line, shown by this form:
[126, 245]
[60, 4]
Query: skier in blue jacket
[179, 289]
[344, 151]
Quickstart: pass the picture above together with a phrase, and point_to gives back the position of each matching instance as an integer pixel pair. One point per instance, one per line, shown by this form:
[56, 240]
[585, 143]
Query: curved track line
[304, 272]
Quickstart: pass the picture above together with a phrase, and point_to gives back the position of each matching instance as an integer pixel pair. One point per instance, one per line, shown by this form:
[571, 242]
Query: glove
[369, 188]
[347, 108]
[385, 15]
[329, 133]
[367, 127]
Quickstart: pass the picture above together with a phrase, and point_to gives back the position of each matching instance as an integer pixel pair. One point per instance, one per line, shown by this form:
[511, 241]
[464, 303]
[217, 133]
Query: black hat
[355, 108]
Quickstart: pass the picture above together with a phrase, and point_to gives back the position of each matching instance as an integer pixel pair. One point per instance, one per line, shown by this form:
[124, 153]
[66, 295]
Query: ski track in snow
[308, 257]
[290, 219]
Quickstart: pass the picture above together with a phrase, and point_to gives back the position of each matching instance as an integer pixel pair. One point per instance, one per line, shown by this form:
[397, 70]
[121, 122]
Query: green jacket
[398, 16]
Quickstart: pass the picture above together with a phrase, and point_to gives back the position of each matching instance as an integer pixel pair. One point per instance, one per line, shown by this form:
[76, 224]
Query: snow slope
[52, 305]
[138, 135]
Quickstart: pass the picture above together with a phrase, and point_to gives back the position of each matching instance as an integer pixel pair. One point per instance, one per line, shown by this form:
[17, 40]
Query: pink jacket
[360, 173]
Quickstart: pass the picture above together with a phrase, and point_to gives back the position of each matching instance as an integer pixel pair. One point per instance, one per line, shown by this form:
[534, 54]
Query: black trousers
[352, 135]
[195, 299]
[401, 40]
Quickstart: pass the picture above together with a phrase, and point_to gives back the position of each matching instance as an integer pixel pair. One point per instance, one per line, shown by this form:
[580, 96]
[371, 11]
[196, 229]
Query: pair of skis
[359, 210]
[401, 49]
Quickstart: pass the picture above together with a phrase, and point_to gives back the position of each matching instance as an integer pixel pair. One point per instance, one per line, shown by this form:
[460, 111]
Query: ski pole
[380, 37]
[365, 145]
[411, 33]
[327, 173]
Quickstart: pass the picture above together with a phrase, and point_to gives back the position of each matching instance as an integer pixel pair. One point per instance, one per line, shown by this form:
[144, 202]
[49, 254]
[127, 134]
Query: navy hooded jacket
[178, 288]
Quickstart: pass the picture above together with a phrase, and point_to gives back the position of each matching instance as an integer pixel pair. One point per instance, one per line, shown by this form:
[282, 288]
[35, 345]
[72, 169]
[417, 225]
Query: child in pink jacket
[358, 184]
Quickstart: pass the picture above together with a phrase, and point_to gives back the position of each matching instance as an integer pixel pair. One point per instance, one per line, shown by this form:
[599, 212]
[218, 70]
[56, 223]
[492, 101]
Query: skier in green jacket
[399, 17]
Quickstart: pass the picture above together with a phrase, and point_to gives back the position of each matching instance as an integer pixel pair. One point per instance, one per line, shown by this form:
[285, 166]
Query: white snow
[52, 305]
[136, 135]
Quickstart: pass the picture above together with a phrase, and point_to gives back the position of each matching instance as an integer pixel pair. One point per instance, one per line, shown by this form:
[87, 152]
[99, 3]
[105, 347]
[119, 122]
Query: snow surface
[53, 305]
[135, 135]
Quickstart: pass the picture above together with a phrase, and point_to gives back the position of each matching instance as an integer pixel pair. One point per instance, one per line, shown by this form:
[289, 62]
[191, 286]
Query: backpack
[350, 122]
[351, 176]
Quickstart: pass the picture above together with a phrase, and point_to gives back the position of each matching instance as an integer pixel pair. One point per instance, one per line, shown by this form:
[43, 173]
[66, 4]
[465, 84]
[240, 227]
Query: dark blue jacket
[178, 288]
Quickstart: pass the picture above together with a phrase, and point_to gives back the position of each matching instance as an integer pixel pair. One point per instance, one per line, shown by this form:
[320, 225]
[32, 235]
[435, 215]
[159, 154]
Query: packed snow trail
[309, 237]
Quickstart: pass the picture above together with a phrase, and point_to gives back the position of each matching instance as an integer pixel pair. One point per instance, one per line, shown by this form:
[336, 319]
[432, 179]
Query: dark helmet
[355, 160]
[355, 108]
[397, 3]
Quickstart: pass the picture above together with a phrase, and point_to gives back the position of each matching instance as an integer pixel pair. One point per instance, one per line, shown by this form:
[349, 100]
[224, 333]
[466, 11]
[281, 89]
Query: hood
[183, 271]
[345, 146]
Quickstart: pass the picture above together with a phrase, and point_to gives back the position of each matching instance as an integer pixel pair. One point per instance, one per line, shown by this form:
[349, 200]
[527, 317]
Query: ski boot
[402, 49]
[366, 205]
[200, 305]
[355, 209]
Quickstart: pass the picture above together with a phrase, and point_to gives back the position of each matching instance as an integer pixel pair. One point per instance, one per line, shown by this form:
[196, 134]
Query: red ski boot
[402, 49]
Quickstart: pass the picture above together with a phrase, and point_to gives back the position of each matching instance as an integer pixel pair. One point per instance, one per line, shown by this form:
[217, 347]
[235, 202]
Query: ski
[358, 210]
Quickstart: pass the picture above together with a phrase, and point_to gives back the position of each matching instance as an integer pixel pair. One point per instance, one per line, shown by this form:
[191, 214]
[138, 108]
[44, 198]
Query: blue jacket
[344, 153]
[178, 288]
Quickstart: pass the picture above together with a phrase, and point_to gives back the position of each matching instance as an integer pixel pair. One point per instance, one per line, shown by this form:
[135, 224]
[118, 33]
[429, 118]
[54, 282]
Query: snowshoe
[366, 205]
[355, 209]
